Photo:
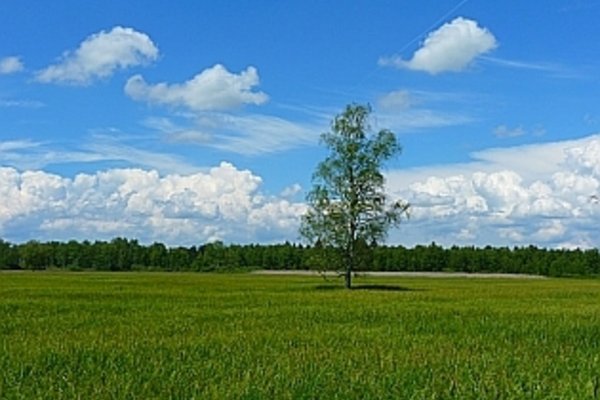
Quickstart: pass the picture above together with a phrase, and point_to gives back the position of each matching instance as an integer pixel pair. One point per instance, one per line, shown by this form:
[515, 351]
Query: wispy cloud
[178, 134]
[417, 119]
[11, 65]
[396, 100]
[404, 110]
[12, 103]
[257, 134]
[108, 148]
[205, 110]
[504, 131]
[12, 145]
[537, 66]
[552, 69]
[33, 155]
[248, 134]
[98, 148]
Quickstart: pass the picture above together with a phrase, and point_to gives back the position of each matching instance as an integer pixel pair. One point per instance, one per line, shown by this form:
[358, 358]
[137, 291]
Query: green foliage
[209, 336]
[348, 205]
[9, 256]
[125, 255]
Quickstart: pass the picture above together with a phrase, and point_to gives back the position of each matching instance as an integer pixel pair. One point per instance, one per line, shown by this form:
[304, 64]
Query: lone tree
[348, 208]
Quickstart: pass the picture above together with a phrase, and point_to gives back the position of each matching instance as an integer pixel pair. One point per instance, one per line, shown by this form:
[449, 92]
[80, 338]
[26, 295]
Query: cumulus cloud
[100, 55]
[212, 100]
[214, 88]
[585, 159]
[223, 203]
[497, 200]
[543, 194]
[452, 47]
[10, 65]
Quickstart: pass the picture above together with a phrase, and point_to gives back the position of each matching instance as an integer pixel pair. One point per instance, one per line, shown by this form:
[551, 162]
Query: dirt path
[405, 274]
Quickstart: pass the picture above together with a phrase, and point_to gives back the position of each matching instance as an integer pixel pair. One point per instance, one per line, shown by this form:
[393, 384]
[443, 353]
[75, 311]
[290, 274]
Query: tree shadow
[383, 288]
[367, 287]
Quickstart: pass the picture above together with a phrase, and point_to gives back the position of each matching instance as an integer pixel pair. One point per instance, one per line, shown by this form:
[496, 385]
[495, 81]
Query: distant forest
[128, 255]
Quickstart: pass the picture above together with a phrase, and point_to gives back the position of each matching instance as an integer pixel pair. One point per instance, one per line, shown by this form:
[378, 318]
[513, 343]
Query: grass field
[198, 336]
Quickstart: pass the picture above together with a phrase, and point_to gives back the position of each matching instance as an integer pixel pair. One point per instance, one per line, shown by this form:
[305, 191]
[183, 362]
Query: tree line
[122, 254]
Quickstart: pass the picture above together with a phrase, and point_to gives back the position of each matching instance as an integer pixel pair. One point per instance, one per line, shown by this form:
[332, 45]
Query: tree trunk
[348, 278]
[349, 262]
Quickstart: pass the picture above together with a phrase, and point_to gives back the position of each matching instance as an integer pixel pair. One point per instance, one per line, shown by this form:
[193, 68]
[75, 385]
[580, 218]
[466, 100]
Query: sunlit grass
[184, 336]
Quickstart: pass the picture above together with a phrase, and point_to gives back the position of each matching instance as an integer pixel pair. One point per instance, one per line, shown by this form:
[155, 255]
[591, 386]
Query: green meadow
[243, 336]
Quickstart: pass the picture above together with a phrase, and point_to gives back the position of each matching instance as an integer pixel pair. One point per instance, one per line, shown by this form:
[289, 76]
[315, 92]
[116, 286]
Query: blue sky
[185, 122]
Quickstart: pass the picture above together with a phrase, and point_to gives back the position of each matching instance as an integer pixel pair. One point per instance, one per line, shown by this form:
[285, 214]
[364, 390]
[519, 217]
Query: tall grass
[196, 336]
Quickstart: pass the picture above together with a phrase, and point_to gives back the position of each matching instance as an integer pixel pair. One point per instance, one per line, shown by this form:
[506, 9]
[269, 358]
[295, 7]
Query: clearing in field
[186, 336]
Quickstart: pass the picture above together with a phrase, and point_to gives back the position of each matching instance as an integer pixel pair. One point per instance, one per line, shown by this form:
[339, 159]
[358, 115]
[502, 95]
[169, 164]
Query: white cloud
[532, 162]
[250, 134]
[539, 66]
[21, 103]
[214, 88]
[452, 47]
[190, 136]
[550, 230]
[28, 155]
[211, 117]
[408, 110]
[259, 134]
[10, 65]
[545, 199]
[503, 131]
[585, 159]
[419, 118]
[396, 100]
[552, 69]
[536, 194]
[222, 203]
[100, 55]
[108, 149]
[291, 191]
[12, 145]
